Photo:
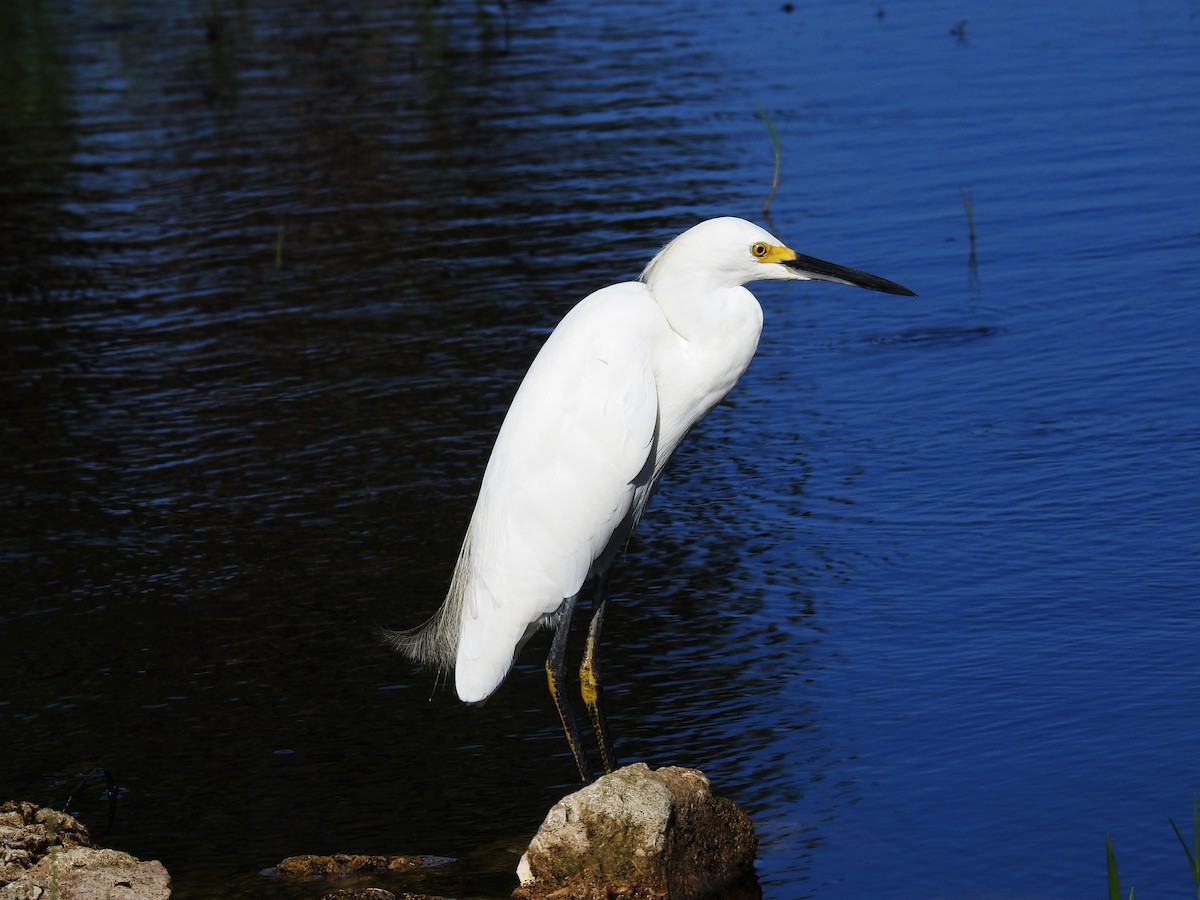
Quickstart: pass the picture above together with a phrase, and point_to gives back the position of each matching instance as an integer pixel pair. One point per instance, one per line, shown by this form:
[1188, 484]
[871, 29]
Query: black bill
[819, 270]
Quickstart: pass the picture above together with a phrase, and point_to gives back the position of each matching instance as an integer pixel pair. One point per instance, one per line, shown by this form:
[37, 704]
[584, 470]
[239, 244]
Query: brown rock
[312, 867]
[374, 894]
[641, 834]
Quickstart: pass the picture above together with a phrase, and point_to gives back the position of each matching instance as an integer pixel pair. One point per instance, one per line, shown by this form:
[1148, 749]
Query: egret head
[731, 251]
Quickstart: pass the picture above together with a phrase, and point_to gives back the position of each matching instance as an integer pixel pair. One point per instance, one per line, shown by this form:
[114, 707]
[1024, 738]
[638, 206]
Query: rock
[360, 894]
[44, 854]
[354, 868]
[86, 873]
[26, 833]
[312, 867]
[374, 894]
[637, 833]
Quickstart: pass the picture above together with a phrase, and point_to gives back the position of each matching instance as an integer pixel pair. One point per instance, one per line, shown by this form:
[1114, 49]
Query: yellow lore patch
[771, 253]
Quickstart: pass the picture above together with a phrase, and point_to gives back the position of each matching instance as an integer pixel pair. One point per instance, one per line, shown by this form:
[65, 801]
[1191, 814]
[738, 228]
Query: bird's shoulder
[591, 390]
[603, 350]
[624, 313]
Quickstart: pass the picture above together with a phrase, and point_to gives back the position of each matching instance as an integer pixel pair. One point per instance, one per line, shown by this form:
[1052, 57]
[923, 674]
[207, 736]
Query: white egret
[616, 387]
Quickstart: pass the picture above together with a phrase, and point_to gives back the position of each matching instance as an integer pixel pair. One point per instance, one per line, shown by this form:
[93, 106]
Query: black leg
[589, 678]
[555, 675]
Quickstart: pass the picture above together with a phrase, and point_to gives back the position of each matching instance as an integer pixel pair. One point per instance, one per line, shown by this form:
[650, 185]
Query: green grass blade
[1114, 880]
[1193, 857]
[1183, 844]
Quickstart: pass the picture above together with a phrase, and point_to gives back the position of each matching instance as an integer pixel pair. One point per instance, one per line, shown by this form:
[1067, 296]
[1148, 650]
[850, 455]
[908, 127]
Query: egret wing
[575, 449]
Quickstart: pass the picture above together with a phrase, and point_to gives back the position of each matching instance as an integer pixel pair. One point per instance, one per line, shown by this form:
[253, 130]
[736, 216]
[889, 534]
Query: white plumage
[617, 385]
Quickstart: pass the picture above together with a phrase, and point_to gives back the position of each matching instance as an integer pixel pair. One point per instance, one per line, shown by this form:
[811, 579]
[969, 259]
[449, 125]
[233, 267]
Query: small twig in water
[776, 151]
[969, 208]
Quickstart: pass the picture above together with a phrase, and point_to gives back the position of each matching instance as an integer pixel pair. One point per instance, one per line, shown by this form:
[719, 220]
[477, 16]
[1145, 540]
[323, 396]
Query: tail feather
[431, 644]
[435, 643]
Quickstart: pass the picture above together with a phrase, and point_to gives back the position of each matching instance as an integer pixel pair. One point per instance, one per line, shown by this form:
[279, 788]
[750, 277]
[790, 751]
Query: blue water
[922, 595]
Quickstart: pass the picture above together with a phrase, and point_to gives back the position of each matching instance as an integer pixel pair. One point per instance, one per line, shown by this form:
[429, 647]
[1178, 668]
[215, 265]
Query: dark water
[922, 595]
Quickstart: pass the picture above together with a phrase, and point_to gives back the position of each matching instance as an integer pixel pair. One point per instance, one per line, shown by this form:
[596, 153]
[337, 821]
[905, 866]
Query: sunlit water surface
[922, 595]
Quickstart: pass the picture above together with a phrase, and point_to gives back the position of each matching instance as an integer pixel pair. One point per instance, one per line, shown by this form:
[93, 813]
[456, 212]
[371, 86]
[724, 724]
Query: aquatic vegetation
[1193, 854]
[1114, 879]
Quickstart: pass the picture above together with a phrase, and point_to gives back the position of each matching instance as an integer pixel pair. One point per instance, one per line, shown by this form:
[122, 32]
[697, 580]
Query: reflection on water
[920, 595]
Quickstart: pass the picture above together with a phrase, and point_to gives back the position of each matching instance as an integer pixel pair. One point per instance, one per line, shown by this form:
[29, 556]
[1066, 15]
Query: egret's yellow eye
[760, 249]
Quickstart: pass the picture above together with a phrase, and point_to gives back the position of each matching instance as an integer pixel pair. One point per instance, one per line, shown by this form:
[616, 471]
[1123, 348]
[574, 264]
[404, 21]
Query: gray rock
[640, 833]
[26, 833]
[44, 854]
[86, 873]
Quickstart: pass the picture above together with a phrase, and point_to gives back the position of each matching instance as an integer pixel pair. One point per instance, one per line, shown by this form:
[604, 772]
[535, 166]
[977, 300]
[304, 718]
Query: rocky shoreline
[651, 834]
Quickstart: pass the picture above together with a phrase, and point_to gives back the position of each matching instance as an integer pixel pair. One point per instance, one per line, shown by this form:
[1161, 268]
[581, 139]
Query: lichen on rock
[640, 833]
